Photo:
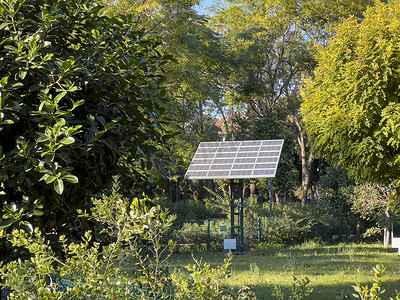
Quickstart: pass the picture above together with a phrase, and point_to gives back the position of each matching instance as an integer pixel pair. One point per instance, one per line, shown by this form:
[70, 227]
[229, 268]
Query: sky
[204, 4]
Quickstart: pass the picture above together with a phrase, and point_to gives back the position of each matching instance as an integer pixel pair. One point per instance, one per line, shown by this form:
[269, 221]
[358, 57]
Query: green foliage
[132, 234]
[286, 225]
[375, 291]
[286, 230]
[298, 291]
[124, 259]
[330, 213]
[352, 103]
[193, 236]
[205, 283]
[81, 100]
[191, 209]
[371, 202]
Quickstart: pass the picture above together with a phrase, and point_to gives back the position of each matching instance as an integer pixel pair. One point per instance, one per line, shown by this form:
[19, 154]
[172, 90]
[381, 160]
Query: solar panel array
[235, 160]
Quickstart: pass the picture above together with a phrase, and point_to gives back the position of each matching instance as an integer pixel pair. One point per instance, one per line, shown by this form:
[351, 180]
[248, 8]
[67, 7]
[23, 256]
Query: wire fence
[209, 234]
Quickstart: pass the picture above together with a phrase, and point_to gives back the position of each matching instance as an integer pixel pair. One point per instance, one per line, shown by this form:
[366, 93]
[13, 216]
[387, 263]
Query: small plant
[254, 268]
[375, 292]
[298, 291]
[205, 283]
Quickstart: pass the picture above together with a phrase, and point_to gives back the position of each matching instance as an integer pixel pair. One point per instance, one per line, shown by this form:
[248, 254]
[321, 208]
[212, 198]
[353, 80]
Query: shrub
[375, 291]
[205, 283]
[286, 225]
[129, 263]
[135, 238]
[193, 236]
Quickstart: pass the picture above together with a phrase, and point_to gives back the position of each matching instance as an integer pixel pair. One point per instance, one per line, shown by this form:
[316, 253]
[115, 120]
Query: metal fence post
[208, 235]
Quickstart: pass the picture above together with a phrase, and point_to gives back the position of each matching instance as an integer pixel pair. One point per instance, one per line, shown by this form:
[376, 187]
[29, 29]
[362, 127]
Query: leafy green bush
[286, 225]
[193, 236]
[375, 291]
[205, 283]
[81, 100]
[130, 263]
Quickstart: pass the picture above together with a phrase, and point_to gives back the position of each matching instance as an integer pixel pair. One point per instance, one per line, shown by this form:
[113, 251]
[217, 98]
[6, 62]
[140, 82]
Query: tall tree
[352, 107]
[194, 78]
[80, 101]
[273, 44]
[270, 55]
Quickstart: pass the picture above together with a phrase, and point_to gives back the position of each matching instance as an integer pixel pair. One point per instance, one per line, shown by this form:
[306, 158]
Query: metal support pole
[270, 195]
[236, 206]
[241, 235]
[232, 207]
[347, 227]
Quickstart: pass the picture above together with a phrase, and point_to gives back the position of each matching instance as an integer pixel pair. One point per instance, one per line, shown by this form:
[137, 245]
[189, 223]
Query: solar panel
[235, 160]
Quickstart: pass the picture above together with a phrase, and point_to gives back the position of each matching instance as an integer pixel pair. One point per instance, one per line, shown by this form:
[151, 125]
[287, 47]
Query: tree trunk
[358, 232]
[386, 237]
[306, 162]
[387, 231]
[252, 189]
[277, 200]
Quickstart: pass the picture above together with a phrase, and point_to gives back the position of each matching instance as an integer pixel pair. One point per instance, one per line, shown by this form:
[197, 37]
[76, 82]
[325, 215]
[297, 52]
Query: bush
[205, 283]
[375, 291]
[128, 264]
[286, 225]
[193, 236]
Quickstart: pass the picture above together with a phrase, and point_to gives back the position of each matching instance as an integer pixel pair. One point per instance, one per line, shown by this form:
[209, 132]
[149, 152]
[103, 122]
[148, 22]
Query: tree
[195, 74]
[80, 101]
[273, 43]
[270, 55]
[351, 107]
[372, 202]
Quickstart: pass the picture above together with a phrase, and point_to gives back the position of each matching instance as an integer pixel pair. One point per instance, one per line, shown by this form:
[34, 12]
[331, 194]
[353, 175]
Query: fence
[209, 234]
[63, 284]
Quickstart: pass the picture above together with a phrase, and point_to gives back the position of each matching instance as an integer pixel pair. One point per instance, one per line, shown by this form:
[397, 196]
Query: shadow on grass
[327, 291]
[333, 270]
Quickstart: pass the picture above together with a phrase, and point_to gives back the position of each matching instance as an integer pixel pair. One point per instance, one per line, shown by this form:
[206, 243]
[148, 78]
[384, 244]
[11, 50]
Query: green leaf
[22, 74]
[71, 178]
[4, 81]
[10, 208]
[48, 178]
[3, 25]
[59, 186]
[5, 224]
[17, 85]
[61, 122]
[49, 158]
[37, 212]
[9, 47]
[68, 140]
[28, 226]
[59, 97]
[42, 139]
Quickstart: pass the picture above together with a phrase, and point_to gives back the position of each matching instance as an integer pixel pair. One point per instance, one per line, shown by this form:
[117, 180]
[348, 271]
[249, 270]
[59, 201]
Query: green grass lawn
[332, 270]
